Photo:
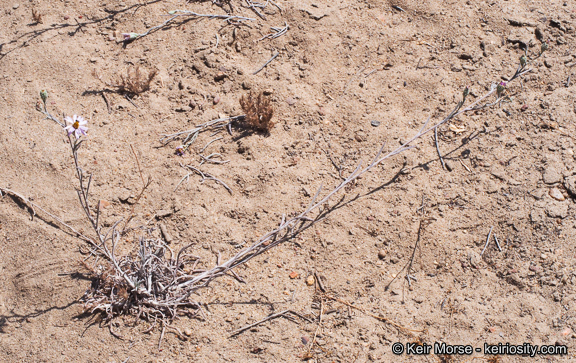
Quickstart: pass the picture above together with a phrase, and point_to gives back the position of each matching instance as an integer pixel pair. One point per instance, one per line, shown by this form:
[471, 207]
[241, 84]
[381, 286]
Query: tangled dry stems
[258, 111]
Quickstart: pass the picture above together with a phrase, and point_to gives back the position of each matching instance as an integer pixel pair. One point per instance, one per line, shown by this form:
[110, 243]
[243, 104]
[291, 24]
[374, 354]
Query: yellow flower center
[76, 124]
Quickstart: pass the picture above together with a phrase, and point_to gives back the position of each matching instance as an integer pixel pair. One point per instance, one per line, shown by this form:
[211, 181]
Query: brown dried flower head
[258, 111]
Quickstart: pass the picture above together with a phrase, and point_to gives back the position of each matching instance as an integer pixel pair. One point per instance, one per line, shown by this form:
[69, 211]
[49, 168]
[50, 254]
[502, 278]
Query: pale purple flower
[129, 36]
[180, 150]
[76, 125]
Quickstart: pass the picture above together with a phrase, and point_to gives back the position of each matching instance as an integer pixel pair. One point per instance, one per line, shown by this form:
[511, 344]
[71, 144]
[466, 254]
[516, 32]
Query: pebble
[310, 280]
[216, 100]
[381, 254]
[290, 101]
[557, 210]
[15, 6]
[220, 76]
[556, 194]
[293, 274]
[551, 175]
[375, 123]
[570, 185]
[188, 332]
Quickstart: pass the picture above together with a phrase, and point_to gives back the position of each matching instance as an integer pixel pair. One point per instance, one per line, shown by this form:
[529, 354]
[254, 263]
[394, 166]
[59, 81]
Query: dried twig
[269, 317]
[487, 241]
[267, 62]
[278, 32]
[175, 14]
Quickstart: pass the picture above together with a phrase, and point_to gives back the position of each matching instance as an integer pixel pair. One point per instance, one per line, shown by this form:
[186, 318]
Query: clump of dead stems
[258, 111]
[157, 284]
[135, 82]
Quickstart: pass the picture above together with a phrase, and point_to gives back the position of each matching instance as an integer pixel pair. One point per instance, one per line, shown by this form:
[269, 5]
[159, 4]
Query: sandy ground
[343, 66]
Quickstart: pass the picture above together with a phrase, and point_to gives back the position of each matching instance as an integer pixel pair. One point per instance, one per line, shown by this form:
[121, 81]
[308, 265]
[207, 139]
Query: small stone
[543, 256]
[220, 76]
[188, 332]
[570, 185]
[360, 137]
[293, 274]
[514, 279]
[382, 254]
[551, 175]
[66, 17]
[557, 210]
[104, 203]
[535, 268]
[310, 280]
[163, 213]
[246, 85]
[556, 194]
[290, 101]
[15, 6]
[375, 123]
[216, 100]
[474, 259]
[548, 64]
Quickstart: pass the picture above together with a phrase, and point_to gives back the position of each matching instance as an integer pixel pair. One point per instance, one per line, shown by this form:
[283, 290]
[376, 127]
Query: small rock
[183, 109]
[188, 332]
[570, 185]
[375, 123]
[551, 175]
[557, 210]
[418, 299]
[246, 85]
[216, 100]
[515, 280]
[104, 203]
[538, 33]
[126, 196]
[165, 234]
[382, 254]
[293, 274]
[498, 171]
[360, 137]
[556, 194]
[548, 63]
[474, 259]
[15, 6]
[535, 268]
[310, 280]
[220, 76]
[290, 101]
[163, 213]
[304, 340]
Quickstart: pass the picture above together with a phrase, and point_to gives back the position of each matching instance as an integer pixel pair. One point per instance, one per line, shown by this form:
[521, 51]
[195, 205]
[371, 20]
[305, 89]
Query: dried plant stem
[190, 135]
[267, 62]
[186, 13]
